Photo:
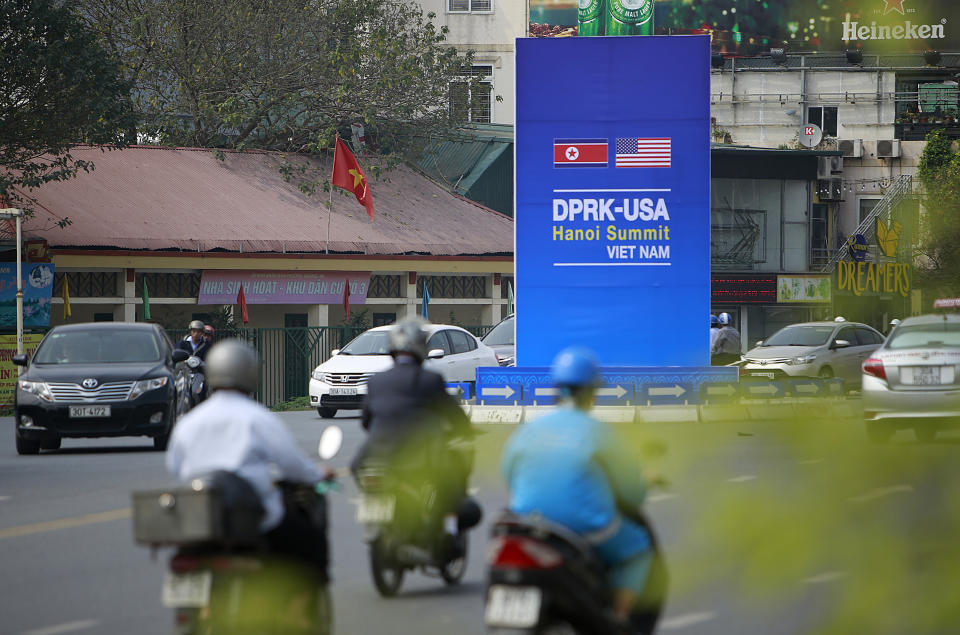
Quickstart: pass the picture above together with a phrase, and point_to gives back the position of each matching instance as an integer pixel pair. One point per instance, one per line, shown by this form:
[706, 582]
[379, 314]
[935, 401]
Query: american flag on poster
[643, 153]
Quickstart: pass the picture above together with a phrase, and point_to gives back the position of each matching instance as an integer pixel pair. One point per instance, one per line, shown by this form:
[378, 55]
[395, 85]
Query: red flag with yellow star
[348, 175]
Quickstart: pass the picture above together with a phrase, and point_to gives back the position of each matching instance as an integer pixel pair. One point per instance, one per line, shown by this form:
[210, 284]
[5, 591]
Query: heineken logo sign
[906, 31]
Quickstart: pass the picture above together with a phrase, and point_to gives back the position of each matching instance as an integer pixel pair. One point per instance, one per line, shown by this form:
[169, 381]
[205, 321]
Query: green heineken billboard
[751, 27]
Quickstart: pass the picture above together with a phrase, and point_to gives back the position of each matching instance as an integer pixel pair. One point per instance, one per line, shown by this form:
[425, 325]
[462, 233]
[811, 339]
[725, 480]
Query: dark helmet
[232, 364]
[714, 320]
[575, 366]
[409, 336]
[208, 329]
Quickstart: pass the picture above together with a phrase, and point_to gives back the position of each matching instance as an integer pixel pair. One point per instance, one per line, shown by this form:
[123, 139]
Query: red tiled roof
[151, 198]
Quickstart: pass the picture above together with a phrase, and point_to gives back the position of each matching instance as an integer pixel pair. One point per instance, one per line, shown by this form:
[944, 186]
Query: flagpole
[330, 205]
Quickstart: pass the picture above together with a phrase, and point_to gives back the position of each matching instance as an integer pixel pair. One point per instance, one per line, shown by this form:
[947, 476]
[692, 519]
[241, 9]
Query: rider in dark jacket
[408, 412]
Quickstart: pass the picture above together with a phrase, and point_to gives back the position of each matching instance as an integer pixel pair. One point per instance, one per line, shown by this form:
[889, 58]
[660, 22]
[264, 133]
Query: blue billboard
[613, 199]
[37, 285]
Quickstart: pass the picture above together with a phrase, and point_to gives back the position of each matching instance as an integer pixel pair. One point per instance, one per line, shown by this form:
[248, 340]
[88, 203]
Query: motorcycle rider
[208, 331]
[714, 330]
[408, 412]
[232, 432]
[194, 343]
[574, 470]
[726, 347]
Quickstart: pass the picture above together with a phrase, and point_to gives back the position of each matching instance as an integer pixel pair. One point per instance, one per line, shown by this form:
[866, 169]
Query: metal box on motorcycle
[181, 516]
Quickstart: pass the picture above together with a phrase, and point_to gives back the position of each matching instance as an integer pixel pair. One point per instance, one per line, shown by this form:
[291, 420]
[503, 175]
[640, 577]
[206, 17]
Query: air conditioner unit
[852, 148]
[888, 148]
[828, 167]
[830, 190]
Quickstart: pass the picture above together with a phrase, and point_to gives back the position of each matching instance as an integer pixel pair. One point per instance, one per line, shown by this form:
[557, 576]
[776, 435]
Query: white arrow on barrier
[545, 392]
[813, 388]
[674, 391]
[506, 392]
[617, 392]
[769, 389]
[721, 390]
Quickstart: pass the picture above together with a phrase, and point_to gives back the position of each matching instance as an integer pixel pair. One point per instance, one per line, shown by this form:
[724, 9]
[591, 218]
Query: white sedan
[340, 383]
[913, 380]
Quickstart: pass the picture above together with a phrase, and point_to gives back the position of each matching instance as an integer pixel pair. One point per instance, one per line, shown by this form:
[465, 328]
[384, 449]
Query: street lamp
[7, 214]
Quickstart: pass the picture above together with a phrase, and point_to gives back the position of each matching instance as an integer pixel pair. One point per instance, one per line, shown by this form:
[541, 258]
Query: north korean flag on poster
[579, 153]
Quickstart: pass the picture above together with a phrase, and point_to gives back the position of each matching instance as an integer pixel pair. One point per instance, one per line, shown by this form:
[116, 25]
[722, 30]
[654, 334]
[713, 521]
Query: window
[825, 117]
[866, 337]
[469, 6]
[473, 102]
[462, 343]
[438, 340]
[866, 206]
[103, 317]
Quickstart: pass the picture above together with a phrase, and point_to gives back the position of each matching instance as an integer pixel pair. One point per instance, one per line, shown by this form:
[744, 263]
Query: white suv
[340, 383]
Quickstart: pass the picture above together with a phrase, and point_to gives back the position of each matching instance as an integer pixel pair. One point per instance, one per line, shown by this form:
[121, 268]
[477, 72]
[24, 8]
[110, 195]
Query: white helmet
[196, 324]
[839, 318]
[725, 319]
[894, 322]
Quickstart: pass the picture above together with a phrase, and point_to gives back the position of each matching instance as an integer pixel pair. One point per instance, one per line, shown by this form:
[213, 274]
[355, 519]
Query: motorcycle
[223, 577]
[196, 380]
[402, 523]
[544, 579]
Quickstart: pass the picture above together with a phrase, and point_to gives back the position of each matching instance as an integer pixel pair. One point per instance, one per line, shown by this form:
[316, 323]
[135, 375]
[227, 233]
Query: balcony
[919, 131]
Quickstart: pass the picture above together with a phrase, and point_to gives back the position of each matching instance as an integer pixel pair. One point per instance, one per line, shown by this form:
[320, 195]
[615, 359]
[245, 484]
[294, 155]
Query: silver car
[913, 380]
[813, 349]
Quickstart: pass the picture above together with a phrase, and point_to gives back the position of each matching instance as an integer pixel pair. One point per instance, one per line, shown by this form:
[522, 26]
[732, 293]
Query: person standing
[726, 348]
[714, 331]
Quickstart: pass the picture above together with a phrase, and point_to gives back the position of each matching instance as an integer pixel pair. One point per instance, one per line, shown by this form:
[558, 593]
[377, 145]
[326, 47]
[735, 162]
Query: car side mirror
[840, 344]
[335, 351]
[436, 353]
[179, 355]
[20, 360]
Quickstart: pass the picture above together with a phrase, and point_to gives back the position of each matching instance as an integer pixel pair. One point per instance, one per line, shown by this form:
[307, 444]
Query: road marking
[656, 498]
[683, 621]
[4, 498]
[741, 479]
[66, 627]
[881, 492]
[829, 576]
[65, 523]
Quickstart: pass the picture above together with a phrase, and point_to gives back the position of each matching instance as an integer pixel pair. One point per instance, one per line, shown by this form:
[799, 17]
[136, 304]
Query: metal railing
[900, 189]
[289, 354]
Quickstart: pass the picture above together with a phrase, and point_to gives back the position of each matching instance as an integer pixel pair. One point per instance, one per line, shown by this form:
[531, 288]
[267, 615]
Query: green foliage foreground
[804, 518]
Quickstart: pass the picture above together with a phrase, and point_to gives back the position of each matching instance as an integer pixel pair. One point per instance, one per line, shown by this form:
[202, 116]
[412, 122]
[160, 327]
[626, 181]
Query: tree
[939, 244]
[282, 74]
[60, 88]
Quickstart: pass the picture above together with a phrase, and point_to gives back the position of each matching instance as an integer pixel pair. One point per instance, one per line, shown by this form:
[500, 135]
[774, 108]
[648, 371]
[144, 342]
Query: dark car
[104, 379]
[503, 340]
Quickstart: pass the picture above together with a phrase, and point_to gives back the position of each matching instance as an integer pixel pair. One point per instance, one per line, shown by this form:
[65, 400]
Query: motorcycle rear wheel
[453, 571]
[387, 577]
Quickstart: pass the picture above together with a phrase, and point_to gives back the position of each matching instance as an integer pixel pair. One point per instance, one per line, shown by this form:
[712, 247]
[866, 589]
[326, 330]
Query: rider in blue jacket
[574, 470]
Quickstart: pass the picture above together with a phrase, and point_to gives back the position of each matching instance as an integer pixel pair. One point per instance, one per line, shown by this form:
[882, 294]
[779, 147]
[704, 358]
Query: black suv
[104, 379]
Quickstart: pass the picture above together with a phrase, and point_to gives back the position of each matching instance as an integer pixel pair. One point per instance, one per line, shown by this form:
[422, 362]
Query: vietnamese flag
[242, 301]
[348, 175]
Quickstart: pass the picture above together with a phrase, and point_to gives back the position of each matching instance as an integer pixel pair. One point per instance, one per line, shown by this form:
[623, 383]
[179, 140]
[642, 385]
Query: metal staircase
[899, 190]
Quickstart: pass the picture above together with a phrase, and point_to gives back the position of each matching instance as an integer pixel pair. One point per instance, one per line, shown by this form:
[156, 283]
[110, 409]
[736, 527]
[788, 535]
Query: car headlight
[146, 385]
[38, 388]
[802, 359]
[319, 376]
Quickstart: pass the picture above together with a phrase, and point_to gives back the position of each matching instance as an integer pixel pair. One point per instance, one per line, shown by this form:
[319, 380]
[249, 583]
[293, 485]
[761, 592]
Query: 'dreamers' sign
[613, 199]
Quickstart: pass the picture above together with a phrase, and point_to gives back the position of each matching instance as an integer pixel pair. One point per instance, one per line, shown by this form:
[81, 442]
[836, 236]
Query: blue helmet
[714, 320]
[725, 319]
[575, 366]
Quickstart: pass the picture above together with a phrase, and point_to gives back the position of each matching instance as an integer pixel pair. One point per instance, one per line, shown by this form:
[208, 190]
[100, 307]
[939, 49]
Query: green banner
[753, 27]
